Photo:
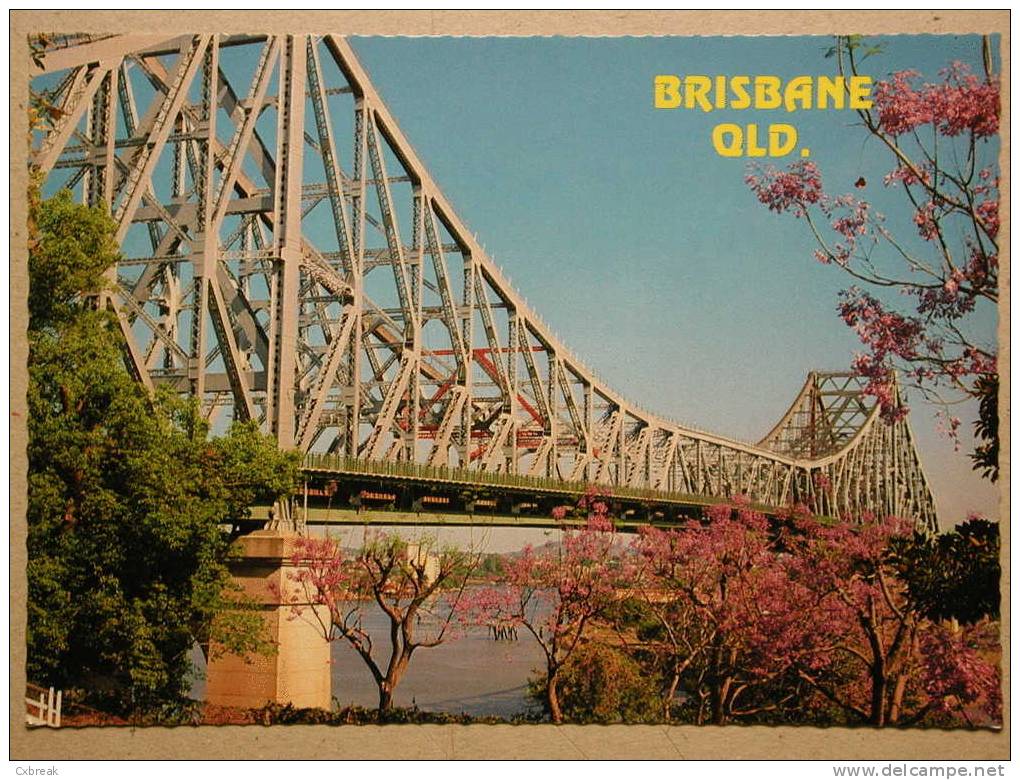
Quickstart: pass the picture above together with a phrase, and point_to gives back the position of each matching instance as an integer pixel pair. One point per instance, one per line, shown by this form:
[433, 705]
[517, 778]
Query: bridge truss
[288, 258]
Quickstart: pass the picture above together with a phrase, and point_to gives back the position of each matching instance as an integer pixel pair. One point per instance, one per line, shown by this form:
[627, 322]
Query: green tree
[602, 684]
[127, 493]
[953, 575]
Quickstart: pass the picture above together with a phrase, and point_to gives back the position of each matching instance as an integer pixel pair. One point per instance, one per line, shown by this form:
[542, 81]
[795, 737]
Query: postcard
[526, 383]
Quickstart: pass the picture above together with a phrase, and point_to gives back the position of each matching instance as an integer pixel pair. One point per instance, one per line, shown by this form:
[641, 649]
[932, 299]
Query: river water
[471, 674]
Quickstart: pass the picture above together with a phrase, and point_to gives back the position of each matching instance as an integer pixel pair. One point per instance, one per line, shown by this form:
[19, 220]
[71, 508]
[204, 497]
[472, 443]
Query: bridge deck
[320, 465]
[351, 491]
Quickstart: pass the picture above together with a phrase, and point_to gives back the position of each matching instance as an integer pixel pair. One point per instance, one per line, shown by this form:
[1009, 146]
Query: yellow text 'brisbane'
[801, 93]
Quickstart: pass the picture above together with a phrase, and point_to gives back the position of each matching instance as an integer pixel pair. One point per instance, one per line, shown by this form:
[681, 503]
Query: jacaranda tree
[941, 261]
[730, 621]
[558, 592]
[419, 587]
[887, 661]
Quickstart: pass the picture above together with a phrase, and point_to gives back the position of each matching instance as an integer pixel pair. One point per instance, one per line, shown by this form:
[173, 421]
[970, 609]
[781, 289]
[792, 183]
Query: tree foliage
[558, 592]
[808, 616]
[127, 492]
[729, 618]
[736, 617]
[600, 683]
[986, 428]
[953, 575]
[942, 261]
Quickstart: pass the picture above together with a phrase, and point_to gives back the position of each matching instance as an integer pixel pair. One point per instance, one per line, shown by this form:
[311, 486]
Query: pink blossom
[790, 190]
[906, 175]
[886, 333]
[988, 213]
[936, 128]
[854, 221]
[900, 106]
[751, 603]
[957, 674]
[960, 103]
[926, 221]
[963, 102]
[949, 426]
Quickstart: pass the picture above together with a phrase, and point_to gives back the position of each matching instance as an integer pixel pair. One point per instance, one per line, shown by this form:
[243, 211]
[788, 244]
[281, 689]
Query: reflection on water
[471, 674]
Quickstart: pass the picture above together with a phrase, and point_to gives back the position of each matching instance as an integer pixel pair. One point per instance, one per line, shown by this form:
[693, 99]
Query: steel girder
[288, 258]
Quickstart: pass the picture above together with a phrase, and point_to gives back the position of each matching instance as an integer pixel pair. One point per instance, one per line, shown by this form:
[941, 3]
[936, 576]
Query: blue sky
[639, 245]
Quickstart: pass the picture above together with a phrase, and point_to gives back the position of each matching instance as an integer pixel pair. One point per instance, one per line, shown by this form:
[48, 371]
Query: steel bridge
[287, 258]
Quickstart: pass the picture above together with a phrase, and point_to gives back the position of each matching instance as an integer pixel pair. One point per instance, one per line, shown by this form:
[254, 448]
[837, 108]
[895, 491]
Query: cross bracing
[288, 258]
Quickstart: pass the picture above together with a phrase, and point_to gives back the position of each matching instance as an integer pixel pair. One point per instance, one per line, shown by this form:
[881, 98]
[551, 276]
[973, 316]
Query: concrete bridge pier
[299, 672]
